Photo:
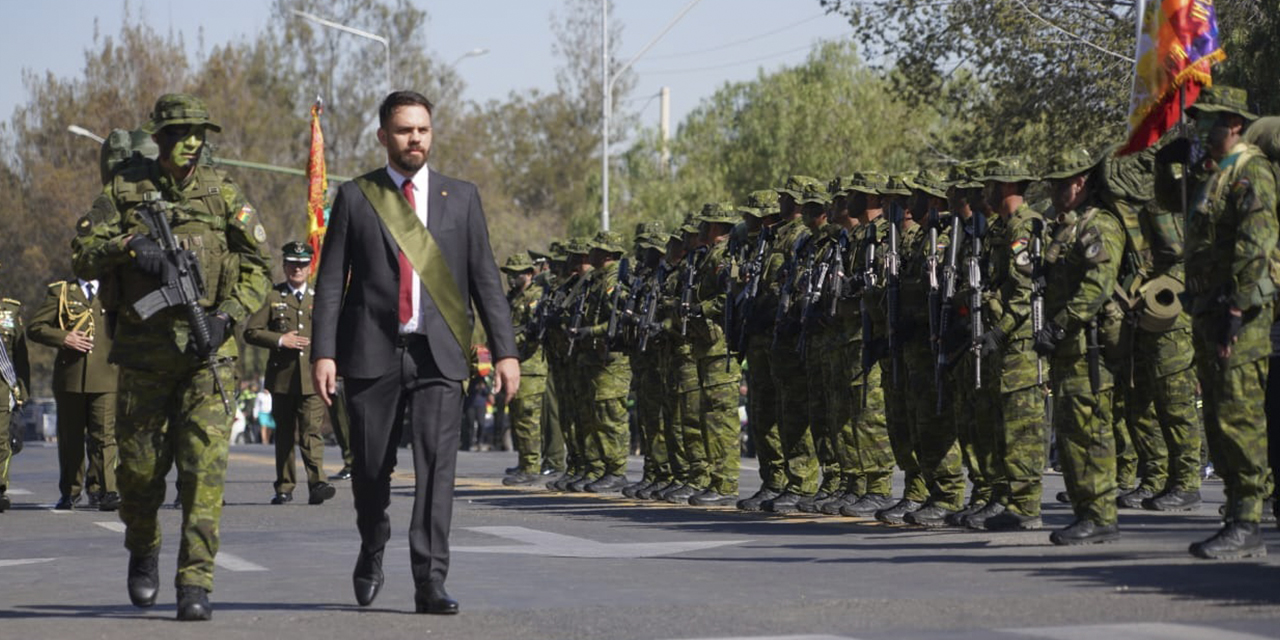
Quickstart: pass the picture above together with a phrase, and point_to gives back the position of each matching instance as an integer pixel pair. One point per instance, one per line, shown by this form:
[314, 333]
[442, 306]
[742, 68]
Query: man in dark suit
[284, 326]
[84, 384]
[405, 256]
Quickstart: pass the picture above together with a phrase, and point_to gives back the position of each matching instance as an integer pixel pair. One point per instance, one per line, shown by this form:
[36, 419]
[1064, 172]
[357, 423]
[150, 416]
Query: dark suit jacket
[288, 370]
[358, 326]
[72, 370]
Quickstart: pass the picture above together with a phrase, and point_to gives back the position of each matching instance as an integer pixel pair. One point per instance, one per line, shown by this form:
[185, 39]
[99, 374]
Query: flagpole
[1186, 163]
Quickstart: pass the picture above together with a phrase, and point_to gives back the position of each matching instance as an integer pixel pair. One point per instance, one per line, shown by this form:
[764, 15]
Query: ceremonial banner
[1177, 45]
[317, 187]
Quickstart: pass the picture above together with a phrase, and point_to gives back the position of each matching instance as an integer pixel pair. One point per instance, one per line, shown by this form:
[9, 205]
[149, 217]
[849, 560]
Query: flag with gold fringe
[317, 186]
[1177, 44]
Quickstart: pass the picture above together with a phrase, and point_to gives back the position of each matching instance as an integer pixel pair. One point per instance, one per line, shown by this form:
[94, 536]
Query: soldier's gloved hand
[991, 342]
[219, 331]
[1047, 338]
[147, 255]
[1232, 324]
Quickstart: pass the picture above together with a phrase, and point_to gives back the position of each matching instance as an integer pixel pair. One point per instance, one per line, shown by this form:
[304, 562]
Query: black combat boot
[898, 512]
[1234, 540]
[930, 515]
[867, 506]
[144, 579]
[193, 603]
[682, 495]
[756, 501]
[609, 483]
[1085, 532]
[1133, 499]
[978, 519]
[1174, 499]
[1010, 520]
[785, 503]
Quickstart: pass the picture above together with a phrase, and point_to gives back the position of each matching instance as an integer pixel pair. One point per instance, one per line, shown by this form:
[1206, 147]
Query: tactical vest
[198, 221]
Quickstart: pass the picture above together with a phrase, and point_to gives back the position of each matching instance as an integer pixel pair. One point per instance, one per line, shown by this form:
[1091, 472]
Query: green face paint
[181, 144]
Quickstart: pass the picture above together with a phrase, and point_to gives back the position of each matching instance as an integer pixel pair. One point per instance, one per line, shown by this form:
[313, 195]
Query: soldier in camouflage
[684, 441]
[563, 354]
[1081, 266]
[15, 380]
[526, 408]
[646, 363]
[157, 358]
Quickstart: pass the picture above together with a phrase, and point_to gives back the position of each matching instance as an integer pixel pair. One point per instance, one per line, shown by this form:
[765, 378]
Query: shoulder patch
[243, 216]
[259, 233]
[1019, 245]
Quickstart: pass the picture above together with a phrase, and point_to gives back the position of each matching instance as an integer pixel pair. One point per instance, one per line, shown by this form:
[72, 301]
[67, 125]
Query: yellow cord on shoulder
[80, 321]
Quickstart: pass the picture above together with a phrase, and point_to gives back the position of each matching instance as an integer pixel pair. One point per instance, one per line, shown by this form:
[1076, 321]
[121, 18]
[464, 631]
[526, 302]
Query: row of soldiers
[922, 321]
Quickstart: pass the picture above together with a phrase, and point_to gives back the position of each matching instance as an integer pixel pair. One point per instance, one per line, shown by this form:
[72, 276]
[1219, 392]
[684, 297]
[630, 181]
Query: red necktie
[406, 269]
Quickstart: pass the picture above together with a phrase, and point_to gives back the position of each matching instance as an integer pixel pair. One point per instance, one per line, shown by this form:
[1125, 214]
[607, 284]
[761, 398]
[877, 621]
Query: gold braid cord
[82, 321]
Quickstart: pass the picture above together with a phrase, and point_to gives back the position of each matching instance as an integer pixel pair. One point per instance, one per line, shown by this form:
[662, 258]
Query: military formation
[959, 325]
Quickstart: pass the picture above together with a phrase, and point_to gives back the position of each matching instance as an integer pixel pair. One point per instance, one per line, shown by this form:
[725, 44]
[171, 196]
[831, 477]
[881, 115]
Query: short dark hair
[397, 99]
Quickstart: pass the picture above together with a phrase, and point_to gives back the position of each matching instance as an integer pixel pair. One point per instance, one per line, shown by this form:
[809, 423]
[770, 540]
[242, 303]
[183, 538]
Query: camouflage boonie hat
[555, 250]
[517, 263]
[813, 193]
[839, 186]
[297, 251]
[649, 227]
[765, 201]
[869, 182]
[1009, 169]
[689, 224]
[930, 182]
[797, 185]
[577, 246]
[722, 212]
[177, 109]
[1074, 162]
[960, 176]
[897, 185]
[655, 241]
[1223, 99]
[607, 241]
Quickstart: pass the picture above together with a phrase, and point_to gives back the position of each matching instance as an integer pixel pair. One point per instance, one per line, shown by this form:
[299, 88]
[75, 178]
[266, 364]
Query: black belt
[411, 339]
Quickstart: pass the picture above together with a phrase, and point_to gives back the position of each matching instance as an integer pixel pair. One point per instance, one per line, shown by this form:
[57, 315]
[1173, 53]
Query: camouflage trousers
[553, 454]
[800, 457]
[1021, 433]
[871, 431]
[762, 417]
[568, 378]
[6, 453]
[717, 407]
[1234, 392]
[606, 435]
[86, 424]
[831, 473]
[937, 450]
[901, 435]
[1162, 412]
[526, 423]
[646, 386]
[299, 419]
[844, 405]
[166, 418]
[1086, 437]
[681, 378]
[1126, 453]
[975, 414]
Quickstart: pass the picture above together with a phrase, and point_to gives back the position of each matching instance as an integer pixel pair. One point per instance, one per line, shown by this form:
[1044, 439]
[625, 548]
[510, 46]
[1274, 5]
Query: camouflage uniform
[605, 369]
[1082, 264]
[646, 366]
[564, 357]
[169, 411]
[15, 380]
[684, 437]
[526, 408]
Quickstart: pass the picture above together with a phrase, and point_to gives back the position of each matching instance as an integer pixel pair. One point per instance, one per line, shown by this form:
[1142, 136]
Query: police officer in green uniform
[84, 385]
[1081, 266]
[1231, 278]
[283, 325]
[158, 356]
[15, 380]
[526, 408]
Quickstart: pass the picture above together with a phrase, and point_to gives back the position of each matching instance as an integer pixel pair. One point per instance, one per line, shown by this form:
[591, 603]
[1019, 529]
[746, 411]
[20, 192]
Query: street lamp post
[607, 82]
[386, 44]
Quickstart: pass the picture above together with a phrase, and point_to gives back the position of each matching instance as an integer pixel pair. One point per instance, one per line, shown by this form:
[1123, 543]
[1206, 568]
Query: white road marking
[778, 638]
[545, 543]
[18, 492]
[1135, 631]
[235, 563]
[111, 525]
[22, 561]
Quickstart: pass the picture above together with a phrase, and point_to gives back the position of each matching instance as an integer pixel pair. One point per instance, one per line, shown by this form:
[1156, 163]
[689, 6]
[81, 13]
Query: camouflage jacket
[1008, 273]
[14, 338]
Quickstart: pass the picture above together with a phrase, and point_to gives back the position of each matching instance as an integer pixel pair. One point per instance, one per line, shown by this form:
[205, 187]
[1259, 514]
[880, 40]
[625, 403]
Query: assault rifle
[752, 271]
[686, 287]
[893, 290]
[649, 306]
[974, 263]
[815, 281]
[579, 307]
[835, 274]
[950, 273]
[181, 285]
[868, 279]
[611, 331]
[1037, 289]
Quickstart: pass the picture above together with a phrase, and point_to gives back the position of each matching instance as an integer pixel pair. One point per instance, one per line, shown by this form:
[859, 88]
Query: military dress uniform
[296, 407]
[15, 380]
[84, 386]
[170, 410]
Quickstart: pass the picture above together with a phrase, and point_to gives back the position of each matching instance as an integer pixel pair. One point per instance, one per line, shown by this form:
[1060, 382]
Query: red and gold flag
[317, 186]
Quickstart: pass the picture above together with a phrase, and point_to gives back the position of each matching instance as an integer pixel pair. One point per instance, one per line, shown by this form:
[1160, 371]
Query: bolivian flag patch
[246, 214]
[1019, 245]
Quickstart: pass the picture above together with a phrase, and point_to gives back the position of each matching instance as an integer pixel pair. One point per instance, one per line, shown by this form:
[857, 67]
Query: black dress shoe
[897, 513]
[610, 483]
[344, 474]
[193, 603]
[66, 503]
[521, 479]
[786, 502]
[1173, 500]
[434, 599]
[867, 506]
[682, 495]
[93, 500]
[110, 501]
[320, 492]
[755, 501]
[1234, 540]
[1085, 532]
[1063, 497]
[930, 515]
[1010, 520]
[144, 579]
[1133, 499]
[711, 498]
[281, 498]
[367, 578]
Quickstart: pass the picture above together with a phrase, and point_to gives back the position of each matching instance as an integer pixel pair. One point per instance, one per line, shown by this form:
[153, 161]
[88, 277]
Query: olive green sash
[420, 248]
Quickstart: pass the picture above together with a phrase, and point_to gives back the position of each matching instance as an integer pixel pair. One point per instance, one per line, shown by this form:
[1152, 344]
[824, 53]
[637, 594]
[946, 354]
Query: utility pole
[664, 129]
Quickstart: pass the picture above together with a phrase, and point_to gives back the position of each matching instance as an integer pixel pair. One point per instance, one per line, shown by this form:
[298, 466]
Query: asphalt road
[532, 564]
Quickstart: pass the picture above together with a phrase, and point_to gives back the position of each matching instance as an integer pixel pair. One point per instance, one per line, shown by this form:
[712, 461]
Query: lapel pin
[444, 193]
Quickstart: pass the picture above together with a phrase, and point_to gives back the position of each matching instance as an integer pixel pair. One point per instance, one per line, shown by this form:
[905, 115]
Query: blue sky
[718, 41]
